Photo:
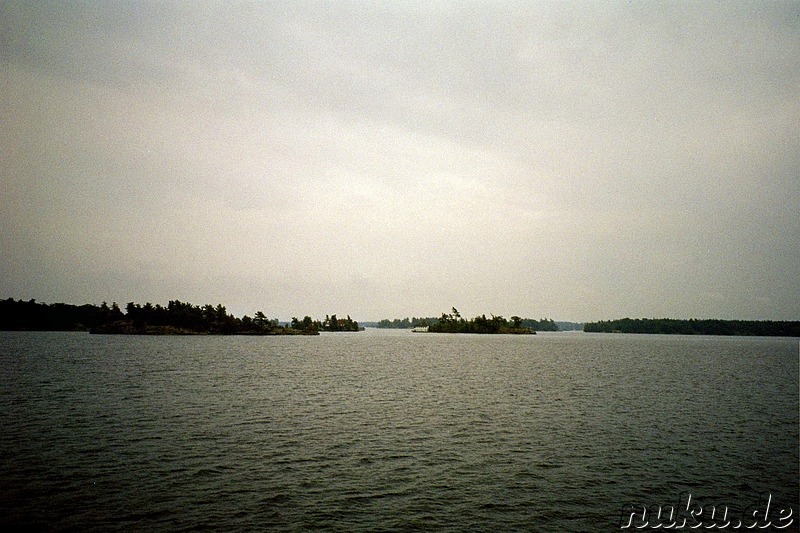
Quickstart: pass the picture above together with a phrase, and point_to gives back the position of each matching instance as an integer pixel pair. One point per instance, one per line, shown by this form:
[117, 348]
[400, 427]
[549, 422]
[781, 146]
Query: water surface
[388, 430]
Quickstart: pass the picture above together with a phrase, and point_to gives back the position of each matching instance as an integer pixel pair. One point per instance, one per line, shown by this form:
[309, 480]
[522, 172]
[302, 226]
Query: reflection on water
[389, 430]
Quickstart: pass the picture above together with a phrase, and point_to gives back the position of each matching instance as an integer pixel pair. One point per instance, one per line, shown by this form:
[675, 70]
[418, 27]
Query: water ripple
[387, 432]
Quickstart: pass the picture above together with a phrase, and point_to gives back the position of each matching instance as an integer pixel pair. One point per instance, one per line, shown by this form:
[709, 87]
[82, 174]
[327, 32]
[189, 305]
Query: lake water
[391, 431]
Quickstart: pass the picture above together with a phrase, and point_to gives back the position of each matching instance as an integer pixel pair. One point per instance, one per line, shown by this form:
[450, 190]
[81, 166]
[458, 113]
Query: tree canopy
[454, 323]
[545, 324]
[175, 318]
[695, 327]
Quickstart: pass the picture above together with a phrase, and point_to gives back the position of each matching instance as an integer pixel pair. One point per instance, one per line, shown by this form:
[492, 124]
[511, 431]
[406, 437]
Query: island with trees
[176, 318]
[766, 328]
[183, 318]
[453, 323]
[331, 323]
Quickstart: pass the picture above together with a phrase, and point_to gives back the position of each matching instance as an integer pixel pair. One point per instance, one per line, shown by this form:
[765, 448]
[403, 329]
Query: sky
[571, 160]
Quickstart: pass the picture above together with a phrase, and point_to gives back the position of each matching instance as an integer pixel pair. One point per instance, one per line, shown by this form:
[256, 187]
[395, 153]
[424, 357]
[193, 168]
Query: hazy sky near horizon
[571, 160]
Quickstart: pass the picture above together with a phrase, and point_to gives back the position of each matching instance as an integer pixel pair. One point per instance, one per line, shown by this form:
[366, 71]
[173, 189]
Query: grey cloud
[569, 159]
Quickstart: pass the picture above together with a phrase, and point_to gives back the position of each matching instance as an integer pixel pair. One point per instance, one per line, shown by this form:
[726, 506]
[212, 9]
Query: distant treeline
[695, 327]
[176, 318]
[569, 326]
[406, 323]
[544, 324]
[454, 323]
[31, 315]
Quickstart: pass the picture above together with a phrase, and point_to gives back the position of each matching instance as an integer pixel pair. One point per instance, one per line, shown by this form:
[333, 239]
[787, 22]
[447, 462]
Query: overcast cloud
[577, 161]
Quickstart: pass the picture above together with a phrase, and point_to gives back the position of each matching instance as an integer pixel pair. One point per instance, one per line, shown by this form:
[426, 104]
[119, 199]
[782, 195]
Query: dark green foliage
[406, 323]
[306, 325]
[695, 327]
[177, 318]
[517, 322]
[30, 315]
[333, 323]
[454, 323]
[184, 318]
[545, 324]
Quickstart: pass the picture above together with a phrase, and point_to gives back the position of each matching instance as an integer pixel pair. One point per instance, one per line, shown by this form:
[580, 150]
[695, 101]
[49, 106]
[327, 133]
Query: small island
[454, 323]
[423, 324]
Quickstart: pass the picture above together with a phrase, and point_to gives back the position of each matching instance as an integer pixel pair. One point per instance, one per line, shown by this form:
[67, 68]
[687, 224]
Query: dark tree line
[307, 324]
[183, 316]
[454, 323]
[331, 323]
[176, 318]
[406, 323]
[696, 327]
[545, 324]
[478, 323]
[31, 315]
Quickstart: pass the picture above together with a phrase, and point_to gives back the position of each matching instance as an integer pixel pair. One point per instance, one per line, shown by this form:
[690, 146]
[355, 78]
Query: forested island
[766, 328]
[183, 318]
[454, 323]
[478, 323]
[177, 318]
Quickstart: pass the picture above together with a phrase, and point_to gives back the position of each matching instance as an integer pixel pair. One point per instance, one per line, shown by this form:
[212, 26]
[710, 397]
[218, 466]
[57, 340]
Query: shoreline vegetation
[671, 326]
[183, 318]
[177, 318]
[454, 323]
